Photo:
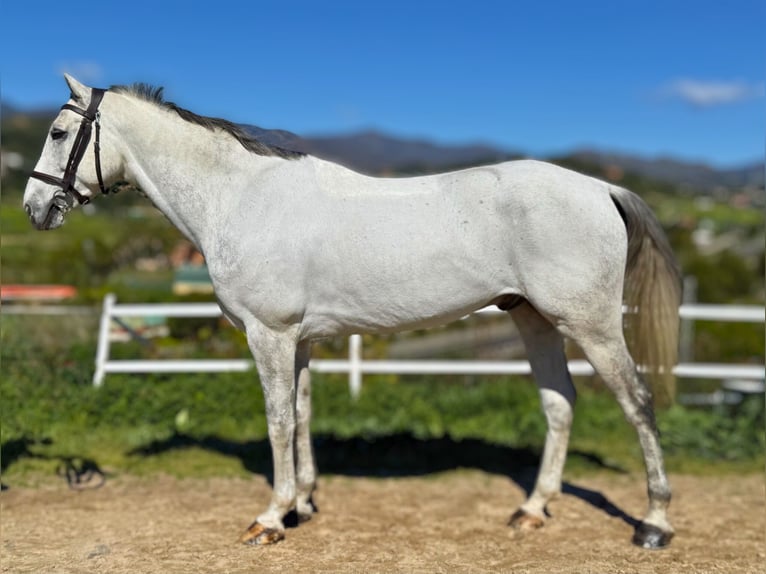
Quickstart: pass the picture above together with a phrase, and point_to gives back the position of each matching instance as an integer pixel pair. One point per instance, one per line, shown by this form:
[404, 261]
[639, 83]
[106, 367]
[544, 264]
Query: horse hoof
[304, 517]
[305, 511]
[651, 537]
[523, 520]
[259, 535]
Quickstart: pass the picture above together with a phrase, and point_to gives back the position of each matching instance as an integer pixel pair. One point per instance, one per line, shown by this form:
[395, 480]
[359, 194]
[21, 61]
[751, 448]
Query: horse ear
[79, 91]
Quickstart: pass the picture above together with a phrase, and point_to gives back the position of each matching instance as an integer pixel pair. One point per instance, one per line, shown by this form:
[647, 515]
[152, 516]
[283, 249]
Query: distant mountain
[377, 153]
[10, 110]
[696, 176]
[279, 138]
[7, 110]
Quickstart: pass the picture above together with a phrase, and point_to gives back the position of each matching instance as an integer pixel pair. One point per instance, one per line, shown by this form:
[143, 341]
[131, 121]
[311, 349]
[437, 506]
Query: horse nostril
[28, 209]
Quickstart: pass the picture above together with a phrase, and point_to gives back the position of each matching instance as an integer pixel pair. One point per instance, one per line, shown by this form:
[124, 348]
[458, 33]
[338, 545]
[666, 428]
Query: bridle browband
[90, 117]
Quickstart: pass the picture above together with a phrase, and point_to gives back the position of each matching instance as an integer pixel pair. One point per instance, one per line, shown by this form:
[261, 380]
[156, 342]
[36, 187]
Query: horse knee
[281, 437]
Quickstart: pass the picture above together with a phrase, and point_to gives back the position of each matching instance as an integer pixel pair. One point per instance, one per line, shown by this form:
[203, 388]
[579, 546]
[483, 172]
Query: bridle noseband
[90, 117]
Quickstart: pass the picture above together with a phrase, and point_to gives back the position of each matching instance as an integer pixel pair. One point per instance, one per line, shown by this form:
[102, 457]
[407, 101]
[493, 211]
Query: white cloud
[707, 94]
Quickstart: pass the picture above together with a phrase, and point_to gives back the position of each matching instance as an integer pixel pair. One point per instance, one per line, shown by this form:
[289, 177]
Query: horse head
[61, 177]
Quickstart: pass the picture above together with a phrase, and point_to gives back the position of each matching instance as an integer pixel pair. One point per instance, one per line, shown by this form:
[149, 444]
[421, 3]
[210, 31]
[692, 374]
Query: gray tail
[652, 293]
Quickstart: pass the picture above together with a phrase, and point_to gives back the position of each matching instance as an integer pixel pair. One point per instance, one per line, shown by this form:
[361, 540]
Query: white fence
[356, 366]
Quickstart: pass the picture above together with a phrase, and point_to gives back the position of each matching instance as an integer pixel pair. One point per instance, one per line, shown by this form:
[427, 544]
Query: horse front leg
[274, 355]
[305, 468]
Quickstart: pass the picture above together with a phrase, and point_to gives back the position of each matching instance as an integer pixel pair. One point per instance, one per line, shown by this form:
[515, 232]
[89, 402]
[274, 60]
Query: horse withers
[299, 248]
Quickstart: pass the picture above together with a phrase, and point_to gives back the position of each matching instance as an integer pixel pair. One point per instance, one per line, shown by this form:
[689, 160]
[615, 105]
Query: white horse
[299, 248]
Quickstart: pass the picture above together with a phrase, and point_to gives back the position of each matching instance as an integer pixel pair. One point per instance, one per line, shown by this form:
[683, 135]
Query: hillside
[697, 176]
[378, 153]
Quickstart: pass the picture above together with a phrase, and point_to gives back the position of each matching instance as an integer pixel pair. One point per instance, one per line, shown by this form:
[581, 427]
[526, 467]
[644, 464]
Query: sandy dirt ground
[446, 522]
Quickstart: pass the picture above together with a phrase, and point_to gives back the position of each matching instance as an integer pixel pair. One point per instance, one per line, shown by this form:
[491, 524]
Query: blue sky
[655, 77]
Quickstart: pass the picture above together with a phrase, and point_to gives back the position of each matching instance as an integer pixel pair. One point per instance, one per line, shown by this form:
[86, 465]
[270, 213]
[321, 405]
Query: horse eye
[57, 134]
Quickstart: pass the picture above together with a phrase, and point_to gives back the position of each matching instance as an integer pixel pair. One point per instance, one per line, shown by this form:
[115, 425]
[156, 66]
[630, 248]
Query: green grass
[214, 424]
[202, 425]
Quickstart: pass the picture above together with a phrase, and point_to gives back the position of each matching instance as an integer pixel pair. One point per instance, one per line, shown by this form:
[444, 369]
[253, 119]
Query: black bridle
[90, 117]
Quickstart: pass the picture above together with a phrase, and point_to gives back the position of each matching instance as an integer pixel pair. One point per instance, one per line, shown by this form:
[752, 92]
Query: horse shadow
[79, 472]
[400, 455]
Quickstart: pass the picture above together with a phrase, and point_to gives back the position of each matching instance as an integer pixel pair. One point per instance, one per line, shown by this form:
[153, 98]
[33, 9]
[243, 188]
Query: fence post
[355, 365]
[102, 350]
[687, 327]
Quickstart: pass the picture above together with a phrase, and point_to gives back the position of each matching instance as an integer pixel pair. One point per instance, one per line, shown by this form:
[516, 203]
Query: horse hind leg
[607, 352]
[545, 350]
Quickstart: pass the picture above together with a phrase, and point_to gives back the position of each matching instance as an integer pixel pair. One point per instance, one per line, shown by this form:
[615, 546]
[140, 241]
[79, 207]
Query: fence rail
[355, 366]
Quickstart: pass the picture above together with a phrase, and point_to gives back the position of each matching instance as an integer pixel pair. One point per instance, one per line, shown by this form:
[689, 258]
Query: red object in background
[36, 292]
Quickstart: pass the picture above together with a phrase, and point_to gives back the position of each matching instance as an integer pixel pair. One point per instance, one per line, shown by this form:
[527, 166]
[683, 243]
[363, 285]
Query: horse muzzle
[51, 217]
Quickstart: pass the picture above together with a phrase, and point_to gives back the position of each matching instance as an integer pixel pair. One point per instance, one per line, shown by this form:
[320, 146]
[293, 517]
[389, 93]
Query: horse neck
[190, 173]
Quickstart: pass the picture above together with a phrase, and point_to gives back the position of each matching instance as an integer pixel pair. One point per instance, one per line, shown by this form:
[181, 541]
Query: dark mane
[154, 95]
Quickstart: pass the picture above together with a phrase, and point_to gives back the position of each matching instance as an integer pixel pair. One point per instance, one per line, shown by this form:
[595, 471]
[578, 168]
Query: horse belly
[414, 279]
